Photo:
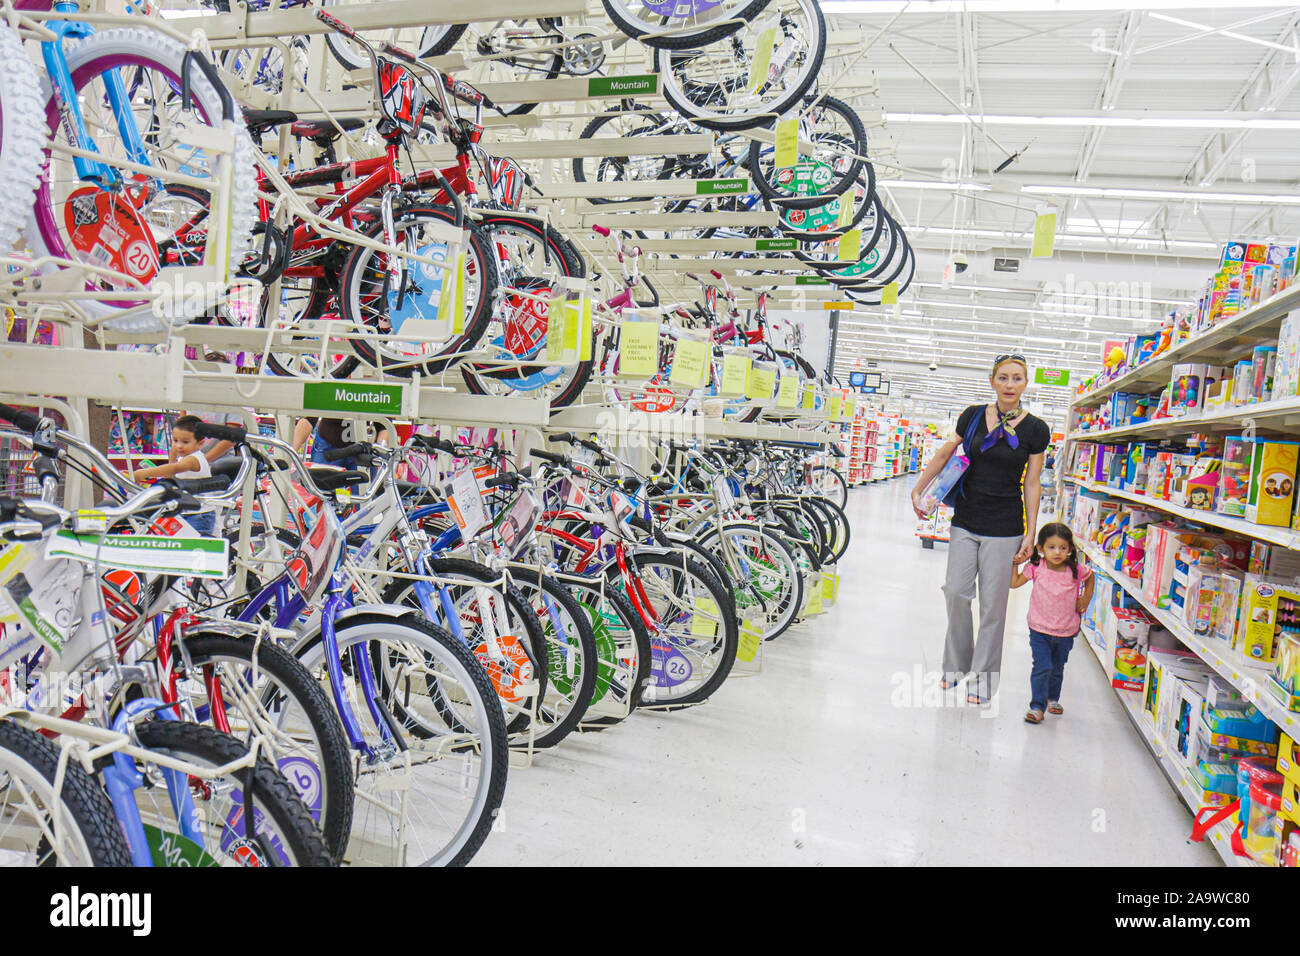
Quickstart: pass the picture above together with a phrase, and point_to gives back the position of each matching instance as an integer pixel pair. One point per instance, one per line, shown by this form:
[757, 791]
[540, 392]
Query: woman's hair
[1057, 530]
[188, 423]
[1002, 360]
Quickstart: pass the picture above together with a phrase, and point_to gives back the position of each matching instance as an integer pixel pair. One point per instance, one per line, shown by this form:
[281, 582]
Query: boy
[189, 462]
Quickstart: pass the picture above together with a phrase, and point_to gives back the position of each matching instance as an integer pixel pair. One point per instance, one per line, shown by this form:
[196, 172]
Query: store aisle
[833, 756]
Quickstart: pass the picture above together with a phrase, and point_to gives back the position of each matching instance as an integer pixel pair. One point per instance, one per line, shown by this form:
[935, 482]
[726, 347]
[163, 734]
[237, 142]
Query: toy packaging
[1263, 364]
[1188, 385]
[1284, 682]
[1268, 608]
[1286, 373]
[1272, 482]
[944, 482]
[1234, 477]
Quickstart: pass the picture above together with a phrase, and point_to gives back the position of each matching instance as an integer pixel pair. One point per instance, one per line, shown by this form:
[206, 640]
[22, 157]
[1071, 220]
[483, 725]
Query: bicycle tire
[669, 168]
[33, 758]
[836, 187]
[843, 530]
[22, 137]
[476, 322]
[332, 751]
[272, 793]
[411, 631]
[840, 497]
[646, 33]
[747, 592]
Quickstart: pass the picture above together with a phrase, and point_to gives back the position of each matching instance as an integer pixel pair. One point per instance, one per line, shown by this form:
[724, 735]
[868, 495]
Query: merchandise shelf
[1220, 836]
[1249, 678]
[1276, 415]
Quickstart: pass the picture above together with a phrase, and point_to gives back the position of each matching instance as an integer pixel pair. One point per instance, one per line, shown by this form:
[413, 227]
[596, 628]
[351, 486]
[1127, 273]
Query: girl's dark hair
[187, 423]
[1057, 530]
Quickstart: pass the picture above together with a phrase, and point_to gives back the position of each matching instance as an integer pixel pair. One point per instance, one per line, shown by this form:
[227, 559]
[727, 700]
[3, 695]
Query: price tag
[847, 201]
[519, 522]
[814, 602]
[830, 586]
[704, 621]
[751, 637]
[762, 380]
[787, 143]
[850, 407]
[837, 406]
[458, 313]
[88, 521]
[585, 335]
[809, 395]
[690, 361]
[735, 373]
[722, 489]
[583, 455]
[466, 503]
[850, 245]
[889, 294]
[638, 349]
[787, 395]
[758, 66]
[576, 496]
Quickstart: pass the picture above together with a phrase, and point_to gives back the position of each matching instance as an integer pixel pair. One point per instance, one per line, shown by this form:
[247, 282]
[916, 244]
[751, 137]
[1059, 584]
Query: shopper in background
[330, 433]
[1061, 592]
[993, 522]
[188, 461]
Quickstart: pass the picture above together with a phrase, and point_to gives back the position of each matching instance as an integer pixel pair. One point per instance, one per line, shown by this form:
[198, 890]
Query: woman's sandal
[948, 683]
[975, 700]
[1033, 716]
[1054, 708]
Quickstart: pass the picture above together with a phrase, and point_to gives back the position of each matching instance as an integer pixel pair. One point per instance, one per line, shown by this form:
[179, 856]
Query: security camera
[934, 366]
[959, 263]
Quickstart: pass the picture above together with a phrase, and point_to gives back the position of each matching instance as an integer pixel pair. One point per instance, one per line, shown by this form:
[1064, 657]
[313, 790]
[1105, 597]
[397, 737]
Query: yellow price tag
[690, 361]
[586, 335]
[850, 407]
[809, 395]
[458, 315]
[762, 379]
[572, 326]
[830, 587]
[850, 246]
[889, 294]
[787, 395]
[814, 603]
[751, 636]
[735, 373]
[762, 60]
[837, 406]
[1044, 236]
[847, 201]
[638, 349]
[704, 622]
[787, 143]
[555, 331]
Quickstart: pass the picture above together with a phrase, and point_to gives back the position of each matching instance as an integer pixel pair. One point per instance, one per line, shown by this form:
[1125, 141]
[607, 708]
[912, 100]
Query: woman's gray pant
[972, 558]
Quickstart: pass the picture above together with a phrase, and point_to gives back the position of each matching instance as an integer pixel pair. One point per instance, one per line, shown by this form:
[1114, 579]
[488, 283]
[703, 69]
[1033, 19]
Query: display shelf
[1250, 679]
[1235, 336]
[1220, 835]
[1276, 415]
[1282, 536]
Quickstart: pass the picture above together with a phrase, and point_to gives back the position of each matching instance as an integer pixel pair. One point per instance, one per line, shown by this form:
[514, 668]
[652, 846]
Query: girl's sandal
[1033, 716]
[1054, 708]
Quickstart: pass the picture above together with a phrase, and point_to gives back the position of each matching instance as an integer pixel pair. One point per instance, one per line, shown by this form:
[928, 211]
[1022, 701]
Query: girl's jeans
[1049, 667]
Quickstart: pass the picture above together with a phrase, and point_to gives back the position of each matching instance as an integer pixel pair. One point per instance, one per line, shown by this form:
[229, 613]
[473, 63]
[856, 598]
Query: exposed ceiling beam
[1111, 85]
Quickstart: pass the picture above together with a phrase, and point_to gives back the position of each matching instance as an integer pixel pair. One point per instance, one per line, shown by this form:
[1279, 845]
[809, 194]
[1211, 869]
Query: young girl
[1062, 590]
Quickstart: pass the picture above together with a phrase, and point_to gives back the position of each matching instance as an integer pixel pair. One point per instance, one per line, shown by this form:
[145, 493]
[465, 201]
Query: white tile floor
[816, 761]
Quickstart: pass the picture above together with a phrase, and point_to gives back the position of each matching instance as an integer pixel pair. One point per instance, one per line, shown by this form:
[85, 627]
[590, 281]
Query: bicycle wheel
[284, 833]
[366, 298]
[571, 651]
[829, 482]
[838, 138]
[625, 122]
[671, 24]
[711, 85]
[22, 136]
[75, 827]
[67, 211]
[420, 40]
[431, 798]
[692, 642]
[764, 574]
[841, 532]
[266, 692]
[531, 261]
[623, 654]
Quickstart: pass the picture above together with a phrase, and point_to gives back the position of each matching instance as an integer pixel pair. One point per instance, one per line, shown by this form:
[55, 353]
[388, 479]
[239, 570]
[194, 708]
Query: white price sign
[577, 493]
[722, 488]
[466, 503]
[584, 456]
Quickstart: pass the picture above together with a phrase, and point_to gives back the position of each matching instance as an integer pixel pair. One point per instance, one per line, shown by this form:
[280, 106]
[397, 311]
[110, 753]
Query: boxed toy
[1284, 682]
[1189, 385]
[1286, 374]
[1186, 723]
[1272, 482]
[1164, 670]
[1214, 785]
[1288, 758]
[1130, 630]
[1234, 477]
[1231, 583]
[1268, 607]
[1273, 560]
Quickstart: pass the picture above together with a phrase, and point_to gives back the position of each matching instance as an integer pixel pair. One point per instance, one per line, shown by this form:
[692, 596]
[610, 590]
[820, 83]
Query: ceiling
[1157, 131]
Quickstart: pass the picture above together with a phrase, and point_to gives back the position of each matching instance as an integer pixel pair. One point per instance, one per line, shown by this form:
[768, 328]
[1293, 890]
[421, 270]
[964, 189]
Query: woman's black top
[992, 500]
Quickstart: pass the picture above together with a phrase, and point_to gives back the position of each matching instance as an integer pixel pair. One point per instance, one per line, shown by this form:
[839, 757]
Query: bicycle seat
[331, 479]
[324, 129]
[259, 121]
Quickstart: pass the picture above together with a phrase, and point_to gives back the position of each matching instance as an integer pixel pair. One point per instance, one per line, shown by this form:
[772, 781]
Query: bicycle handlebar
[231, 433]
[27, 421]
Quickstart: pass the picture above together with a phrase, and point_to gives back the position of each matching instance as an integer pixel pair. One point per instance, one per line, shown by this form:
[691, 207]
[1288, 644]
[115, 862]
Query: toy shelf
[1250, 679]
[1260, 532]
[1237, 335]
[1220, 836]
[1276, 416]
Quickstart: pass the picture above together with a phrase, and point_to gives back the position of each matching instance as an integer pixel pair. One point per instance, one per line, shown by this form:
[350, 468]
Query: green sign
[172, 849]
[811, 280]
[775, 245]
[352, 397]
[1052, 376]
[623, 85]
[714, 187]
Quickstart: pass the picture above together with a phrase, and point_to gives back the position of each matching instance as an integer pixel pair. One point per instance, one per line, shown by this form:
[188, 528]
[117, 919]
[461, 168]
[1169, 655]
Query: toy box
[1234, 477]
[1286, 373]
[1284, 682]
[1288, 758]
[1129, 633]
[1186, 721]
[1268, 607]
[1240, 728]
[1215, 784]
[1272, 482]
[1189, 384]
[1274, 561]
[1231, 583]
[1159, 690]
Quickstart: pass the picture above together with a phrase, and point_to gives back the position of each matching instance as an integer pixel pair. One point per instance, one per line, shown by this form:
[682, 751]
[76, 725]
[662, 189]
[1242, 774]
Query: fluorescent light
[1115, 192]
[1129, 118]
[934, 184]
[1028, 6]
[1026, 236]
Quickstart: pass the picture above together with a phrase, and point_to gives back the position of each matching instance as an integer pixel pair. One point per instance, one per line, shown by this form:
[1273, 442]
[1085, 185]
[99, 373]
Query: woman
[993, 522]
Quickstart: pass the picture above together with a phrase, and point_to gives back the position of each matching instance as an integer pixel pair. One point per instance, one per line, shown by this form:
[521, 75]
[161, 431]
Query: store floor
[824, 757]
